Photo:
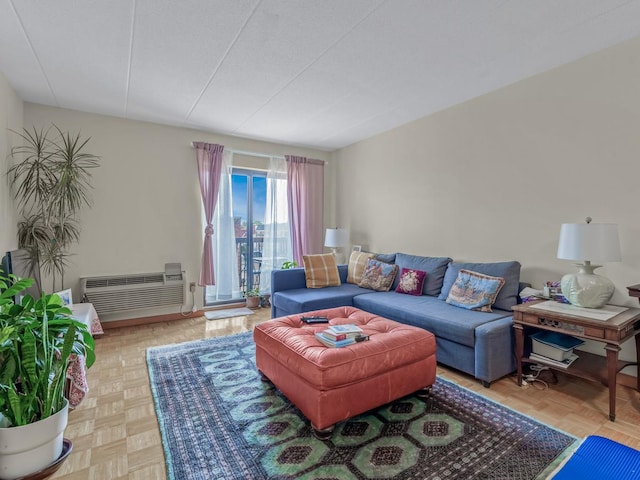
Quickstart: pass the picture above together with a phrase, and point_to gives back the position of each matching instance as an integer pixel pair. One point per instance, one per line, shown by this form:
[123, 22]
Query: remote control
[315, 319]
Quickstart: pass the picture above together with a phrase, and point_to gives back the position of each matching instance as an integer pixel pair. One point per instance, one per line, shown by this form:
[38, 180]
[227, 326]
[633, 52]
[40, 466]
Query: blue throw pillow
[474, 291]
[510, 271]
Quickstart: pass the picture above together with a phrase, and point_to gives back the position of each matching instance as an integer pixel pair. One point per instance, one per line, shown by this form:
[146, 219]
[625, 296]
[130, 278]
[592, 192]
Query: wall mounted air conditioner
[119, 293]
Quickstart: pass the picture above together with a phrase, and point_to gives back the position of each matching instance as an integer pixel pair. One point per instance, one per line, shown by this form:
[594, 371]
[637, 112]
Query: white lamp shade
[589, 241]
[335, 238]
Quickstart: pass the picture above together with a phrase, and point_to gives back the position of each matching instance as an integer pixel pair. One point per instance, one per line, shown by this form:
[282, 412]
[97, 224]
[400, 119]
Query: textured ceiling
[318, 73]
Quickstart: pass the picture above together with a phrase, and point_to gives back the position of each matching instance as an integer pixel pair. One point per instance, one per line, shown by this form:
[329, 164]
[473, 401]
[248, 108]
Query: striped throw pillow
[357, 263]
[321, 270]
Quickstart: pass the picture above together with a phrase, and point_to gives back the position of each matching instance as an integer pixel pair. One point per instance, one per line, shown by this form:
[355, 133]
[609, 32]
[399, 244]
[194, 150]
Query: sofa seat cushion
[443, 320]
[391, 345]
[306, 299]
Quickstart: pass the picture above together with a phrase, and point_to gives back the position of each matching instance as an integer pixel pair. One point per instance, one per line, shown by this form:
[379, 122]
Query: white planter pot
[30, 448]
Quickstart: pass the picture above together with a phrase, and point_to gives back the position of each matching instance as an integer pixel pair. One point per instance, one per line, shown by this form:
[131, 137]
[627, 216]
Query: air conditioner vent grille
[119, 293]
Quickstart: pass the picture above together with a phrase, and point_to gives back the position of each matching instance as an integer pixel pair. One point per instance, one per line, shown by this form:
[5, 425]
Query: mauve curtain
[305, 184]
[223, 243]
[209, 157]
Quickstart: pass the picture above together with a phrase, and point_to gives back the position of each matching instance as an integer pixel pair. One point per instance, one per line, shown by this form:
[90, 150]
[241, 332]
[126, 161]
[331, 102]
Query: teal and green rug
[220, 421]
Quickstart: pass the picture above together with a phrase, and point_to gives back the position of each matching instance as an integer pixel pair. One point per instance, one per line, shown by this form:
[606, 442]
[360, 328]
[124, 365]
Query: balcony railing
[249, 263]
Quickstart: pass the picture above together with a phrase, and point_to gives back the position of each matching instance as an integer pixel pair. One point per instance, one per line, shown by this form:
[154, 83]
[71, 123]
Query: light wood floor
[115, 433]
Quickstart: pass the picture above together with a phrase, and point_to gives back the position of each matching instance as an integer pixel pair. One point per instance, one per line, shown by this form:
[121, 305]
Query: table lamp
[588, 241]
[334, 239]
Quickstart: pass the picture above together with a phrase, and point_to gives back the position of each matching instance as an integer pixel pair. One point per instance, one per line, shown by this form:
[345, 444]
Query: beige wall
[495, 177]
[10, 119]
[147, 207]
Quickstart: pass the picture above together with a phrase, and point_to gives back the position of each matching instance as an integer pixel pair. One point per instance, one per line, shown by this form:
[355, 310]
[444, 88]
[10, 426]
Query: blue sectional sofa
[478, 343]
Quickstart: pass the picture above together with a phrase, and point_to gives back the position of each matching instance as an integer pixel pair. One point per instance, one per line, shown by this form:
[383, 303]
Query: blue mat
[599, 458]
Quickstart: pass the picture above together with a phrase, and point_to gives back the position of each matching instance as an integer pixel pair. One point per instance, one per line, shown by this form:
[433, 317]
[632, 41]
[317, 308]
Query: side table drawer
[530, 319]
[564, 327]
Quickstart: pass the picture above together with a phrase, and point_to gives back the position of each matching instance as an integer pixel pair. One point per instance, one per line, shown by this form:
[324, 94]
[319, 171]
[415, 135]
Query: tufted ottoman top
[391, 345]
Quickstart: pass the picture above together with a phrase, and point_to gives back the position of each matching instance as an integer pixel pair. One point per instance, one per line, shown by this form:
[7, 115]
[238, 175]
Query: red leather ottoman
[329, 385]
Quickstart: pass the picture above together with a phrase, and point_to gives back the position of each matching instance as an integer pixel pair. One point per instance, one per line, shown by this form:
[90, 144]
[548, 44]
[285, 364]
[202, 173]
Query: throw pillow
[321, 270]
[357, 264]
[378, 275]
[411, 281]
[510, 271]
[474, 291]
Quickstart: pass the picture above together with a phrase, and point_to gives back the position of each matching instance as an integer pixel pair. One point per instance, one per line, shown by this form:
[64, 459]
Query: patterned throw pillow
[378, 276]
[321, 270]
[474, 291]
[411, 281]
[357, 264]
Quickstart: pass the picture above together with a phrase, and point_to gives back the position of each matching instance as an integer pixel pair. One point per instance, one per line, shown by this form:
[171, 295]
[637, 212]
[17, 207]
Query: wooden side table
[634, 291]
[612, 332]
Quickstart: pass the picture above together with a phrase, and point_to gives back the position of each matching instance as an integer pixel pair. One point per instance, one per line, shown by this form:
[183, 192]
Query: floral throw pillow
[378, 275]
[474, 291]
[411, 281]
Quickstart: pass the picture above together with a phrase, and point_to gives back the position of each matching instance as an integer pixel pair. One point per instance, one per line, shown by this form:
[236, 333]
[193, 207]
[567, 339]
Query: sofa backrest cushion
[357, 264]
[385, 257]
[321, 270]
[510, 271]
[434, 267]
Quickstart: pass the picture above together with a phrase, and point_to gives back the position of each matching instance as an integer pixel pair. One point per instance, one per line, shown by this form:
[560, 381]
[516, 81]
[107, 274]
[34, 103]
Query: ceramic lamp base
[587, 289]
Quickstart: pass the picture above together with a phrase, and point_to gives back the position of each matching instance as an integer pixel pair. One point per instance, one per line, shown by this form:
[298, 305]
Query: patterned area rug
[219, 420]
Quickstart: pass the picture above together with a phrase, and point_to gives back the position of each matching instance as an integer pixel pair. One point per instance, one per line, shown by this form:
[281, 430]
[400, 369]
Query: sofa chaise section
[477, 343]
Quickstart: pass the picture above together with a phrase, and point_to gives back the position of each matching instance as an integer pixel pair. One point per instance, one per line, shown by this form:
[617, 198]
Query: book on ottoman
[342, 332]
[329, 342]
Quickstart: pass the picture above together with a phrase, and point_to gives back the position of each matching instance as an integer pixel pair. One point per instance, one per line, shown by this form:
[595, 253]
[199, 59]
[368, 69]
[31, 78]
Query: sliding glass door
[249, 194]
[252, 233]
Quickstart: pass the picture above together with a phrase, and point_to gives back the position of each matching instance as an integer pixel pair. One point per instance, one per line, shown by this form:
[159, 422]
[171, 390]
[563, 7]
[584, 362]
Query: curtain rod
[246, 152]
[255, 154]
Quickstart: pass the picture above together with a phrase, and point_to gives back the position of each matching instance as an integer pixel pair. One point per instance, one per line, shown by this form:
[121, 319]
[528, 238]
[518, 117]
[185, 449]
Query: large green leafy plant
[37, 339]
[51, 179]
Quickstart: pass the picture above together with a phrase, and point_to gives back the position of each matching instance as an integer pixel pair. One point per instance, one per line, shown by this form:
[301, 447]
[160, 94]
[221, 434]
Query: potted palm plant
[37, 341]
[51, 180]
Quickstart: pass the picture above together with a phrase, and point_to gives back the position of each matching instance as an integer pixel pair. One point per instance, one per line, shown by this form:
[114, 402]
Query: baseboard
[131, 322]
